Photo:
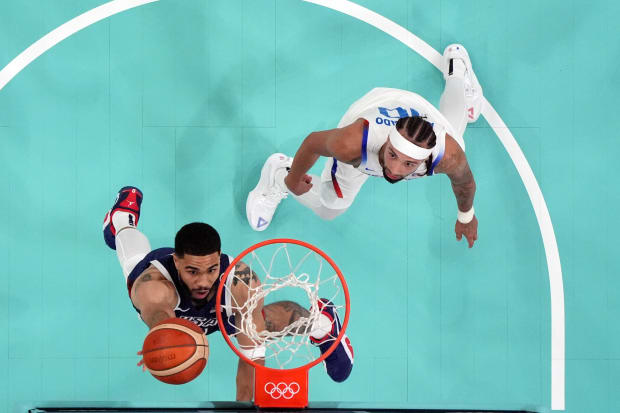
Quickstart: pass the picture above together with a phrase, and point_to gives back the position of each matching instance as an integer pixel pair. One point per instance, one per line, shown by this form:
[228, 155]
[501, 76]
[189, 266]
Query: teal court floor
[187, 98]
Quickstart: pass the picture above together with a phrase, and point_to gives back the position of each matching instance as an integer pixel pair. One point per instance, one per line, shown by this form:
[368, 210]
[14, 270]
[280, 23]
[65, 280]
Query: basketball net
[290, 350]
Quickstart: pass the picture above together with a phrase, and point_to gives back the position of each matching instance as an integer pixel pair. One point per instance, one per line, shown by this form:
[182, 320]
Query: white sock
[131, 247]
[452, 103]
[122, 219]
[322, 327]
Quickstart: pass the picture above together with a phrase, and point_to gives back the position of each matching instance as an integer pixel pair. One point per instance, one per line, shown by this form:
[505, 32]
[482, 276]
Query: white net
[299, 291]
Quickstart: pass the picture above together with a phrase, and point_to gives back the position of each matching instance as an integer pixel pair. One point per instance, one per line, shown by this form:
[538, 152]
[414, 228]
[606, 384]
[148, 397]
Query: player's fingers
[471, 238]
[308, 178]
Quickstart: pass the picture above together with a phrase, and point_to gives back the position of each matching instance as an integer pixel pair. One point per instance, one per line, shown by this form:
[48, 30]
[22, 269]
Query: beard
[390, 180]
[197, 302]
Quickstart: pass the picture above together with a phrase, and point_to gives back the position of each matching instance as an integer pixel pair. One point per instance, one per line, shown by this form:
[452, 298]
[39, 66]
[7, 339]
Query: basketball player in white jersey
[389, 133]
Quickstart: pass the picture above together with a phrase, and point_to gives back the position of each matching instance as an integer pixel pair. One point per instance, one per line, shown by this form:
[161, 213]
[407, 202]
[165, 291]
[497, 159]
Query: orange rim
[218, 302]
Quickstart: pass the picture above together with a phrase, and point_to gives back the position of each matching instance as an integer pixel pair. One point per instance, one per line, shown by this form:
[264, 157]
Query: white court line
[62, 32]
[527, 176]
[398, 32]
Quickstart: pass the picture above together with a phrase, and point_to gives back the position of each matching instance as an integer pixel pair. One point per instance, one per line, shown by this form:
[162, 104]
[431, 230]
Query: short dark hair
[197, 238]
[417, 130]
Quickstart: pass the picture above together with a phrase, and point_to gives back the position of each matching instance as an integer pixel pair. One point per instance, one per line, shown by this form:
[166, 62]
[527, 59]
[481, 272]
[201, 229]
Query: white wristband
[253, 353]
[465, 217]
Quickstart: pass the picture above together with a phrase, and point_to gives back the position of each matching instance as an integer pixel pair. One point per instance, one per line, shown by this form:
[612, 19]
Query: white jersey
[381, 108]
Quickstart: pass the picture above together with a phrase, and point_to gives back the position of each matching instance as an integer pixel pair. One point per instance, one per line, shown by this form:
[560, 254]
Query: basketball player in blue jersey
[183, 282]
[389, 133]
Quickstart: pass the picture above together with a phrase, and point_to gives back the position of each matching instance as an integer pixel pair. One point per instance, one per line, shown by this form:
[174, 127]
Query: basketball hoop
[290, 349]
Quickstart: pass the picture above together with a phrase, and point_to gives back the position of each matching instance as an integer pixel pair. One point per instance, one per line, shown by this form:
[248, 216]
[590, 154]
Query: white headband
[407, 147]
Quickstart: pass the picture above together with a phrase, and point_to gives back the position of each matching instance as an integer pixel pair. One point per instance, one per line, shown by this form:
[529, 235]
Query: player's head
[197, 249]
[403, 156]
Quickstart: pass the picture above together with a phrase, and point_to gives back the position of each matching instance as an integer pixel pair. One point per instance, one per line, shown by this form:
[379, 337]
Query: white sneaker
[473, 90]
[267, 195]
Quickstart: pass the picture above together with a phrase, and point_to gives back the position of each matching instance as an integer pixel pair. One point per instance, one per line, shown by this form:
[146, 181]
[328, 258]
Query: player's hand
[301, 186]
[470, 230]
[141, 362]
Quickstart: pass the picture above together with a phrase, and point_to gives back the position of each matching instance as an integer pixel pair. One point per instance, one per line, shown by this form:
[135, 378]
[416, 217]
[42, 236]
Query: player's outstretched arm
[244, 284]
[154, 296]
[454, 164]
[344, 144]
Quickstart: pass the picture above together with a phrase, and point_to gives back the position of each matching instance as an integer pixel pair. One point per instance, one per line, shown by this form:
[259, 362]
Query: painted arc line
[527, 176]
[419, 46]
[62, 32]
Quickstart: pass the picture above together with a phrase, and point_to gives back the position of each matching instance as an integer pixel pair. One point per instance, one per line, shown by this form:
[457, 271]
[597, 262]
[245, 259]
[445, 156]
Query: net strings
[290, 346]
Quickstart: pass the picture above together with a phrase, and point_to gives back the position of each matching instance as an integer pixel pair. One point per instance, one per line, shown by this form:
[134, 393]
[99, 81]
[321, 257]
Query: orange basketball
[175, 351]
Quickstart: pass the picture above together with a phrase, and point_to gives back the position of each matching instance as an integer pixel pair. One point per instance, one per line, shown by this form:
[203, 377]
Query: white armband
[465, 217]
[253, 353]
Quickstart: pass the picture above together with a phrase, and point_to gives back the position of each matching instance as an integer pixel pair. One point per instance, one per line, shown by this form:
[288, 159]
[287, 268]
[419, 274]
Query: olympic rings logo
[286, 391]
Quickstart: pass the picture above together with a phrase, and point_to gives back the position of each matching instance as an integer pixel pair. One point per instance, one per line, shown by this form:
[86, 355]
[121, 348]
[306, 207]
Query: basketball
[175, 351]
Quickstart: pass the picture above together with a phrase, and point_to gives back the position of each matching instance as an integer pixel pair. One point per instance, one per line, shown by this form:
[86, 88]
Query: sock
[122, 219]
[131, 247]
[322, 327]
[452, 102]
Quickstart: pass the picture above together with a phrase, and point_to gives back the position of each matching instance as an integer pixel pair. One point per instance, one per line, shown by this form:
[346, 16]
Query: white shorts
[339, 194]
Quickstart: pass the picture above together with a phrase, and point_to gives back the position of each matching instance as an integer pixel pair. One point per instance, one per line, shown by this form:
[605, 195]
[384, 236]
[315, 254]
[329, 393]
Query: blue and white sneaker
[340, 363]
[128, 200]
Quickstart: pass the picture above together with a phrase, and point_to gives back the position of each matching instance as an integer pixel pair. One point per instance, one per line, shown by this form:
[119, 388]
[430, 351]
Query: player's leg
[323, 198]
[462, 98]
[120, 229]
[339, 185]
[282, 314]
[313, 200]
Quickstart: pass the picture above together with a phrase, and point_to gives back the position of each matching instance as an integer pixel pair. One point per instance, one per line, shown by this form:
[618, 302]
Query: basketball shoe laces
[274, 196]
[470, 92]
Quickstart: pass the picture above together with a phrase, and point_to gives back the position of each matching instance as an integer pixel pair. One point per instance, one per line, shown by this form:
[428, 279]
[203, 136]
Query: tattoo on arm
[454, 164]
[144, 277]
[155, 317]
[281, 314]
[154, 296]
[462, 181]
[464, 188]
[245, 274]
[295, 309]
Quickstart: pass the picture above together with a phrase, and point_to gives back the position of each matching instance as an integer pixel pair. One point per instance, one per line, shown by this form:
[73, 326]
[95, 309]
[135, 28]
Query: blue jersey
[203, 316]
